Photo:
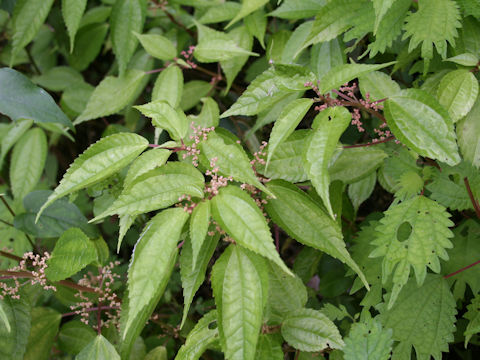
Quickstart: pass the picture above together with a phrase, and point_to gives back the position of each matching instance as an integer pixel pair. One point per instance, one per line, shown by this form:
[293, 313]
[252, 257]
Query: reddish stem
[475, 203]
[370, 144]
[462, 269]
[92, 309]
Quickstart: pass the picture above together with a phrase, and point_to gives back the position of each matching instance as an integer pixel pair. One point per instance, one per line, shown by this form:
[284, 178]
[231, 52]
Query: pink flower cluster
[217, 181]
[199, 134]
[188, 55]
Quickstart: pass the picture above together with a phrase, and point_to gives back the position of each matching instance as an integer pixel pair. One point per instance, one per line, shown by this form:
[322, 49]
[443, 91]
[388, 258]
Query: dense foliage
[253, 179]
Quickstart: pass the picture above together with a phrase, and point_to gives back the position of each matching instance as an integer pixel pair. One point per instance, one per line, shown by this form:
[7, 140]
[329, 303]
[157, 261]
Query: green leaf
[457, 92]
[269, 347]
[58, 78]
[28, 17]
[127, 17]
[288, 120]
[473, 315]
[158, 353]
[44, 329]
[293, 47]
[203, 335]
[465, 59]
[13, 341]
[320, 146]
[381, 7]
[220, 13]
[164, 116]
[431, 305]
[72, 252]
[94, 15]
[367, 340]
[88, 44]
[421, 123]
[413, 233]
[378, 85]
[27, 162]
[303, 220]
[199, 227]
[72, 11]
[169, 86]
[256, 24]
[149, 160]
[22, 99]
[150, 268]
[157, 45]
[240, 217]
[310, 330]
[4, 318]
[13, 132]
[193, 91]
[157, 189]
[74, 336]
[361, 190]
[326, 56]
[467, 130]
[248, 7]
[98, 349]
[101, 160]
[292, 9]
[214, 50]
[112, 95]
[342, 74]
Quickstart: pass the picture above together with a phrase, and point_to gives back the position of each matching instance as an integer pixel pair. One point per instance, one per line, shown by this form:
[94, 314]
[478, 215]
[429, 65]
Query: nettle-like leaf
[431, 305]
[468, 141]
[473, 315]
[157, 45]
[98, 162]
[320, 147]
[99, 348]
[303, 220]
[435, 23]
[414, 233]
[310, 330]
[421, 123]
[169, 86]
[166, 117]
[44, 329]
[72, 11]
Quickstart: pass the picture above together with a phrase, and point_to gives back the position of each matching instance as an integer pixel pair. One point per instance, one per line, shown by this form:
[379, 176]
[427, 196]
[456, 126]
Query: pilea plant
[253, 179]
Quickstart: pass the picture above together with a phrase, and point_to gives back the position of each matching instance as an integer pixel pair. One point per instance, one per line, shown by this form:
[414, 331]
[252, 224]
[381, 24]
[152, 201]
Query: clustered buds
[188, 55]
[199, 134]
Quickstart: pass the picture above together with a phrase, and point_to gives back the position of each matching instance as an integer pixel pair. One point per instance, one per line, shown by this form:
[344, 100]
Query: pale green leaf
[74, 336]
[157, 46]
[209, 117]
[158, 353]
[381, 7]
[361, 190]
[269, 347]
[101, 160]
[310, 330]
[293, 47]
[465, 59]
[169, 86]
[378, 85]
[58, 78]
[97, 14]
[219, 13]
[240, 217]
[457, 92]
[13, 132]
[293, 9]
[147, 161]
[44, 329]
[112, 95]
[13, 341]
[467, 132]
[248, 7]
[199, 227]
[4, 318]
[72, 11]
[256, 25]
[215, 50]
[473, 315]
[72, 252]
[326, 56]
[99, 349]
[166, 117]
[421, 123]
[125, 222]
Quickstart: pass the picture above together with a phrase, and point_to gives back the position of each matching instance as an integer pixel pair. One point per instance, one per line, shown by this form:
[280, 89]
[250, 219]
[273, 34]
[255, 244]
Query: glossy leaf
[44, 329]
[72, 11]
[13, 342]
[100, 348]
[169, 86]
[378, 85]
[147, 161]
[157, 46]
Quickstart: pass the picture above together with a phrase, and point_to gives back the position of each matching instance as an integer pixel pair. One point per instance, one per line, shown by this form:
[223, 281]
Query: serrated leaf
[22, 99]
[240, 217]
[100, 348]
[292, 9]
[127, 17]
[169, 86]
[27, 162]
[199, 224]
[74, 336]
[378, 85]
[420, 247]
[310, 330]
[13, 132]
[381, 7]
[431, 305]
[147, 161]
[13, 342]
[44, 329]
[473, 315]
[157, 46]
[303, 220]
[98, 162]
[248, 6]
[72, 11]
[164, 116]
[157, 189]
[421, 123]
[467, 130]
[72, 252]
[112, 95]
[361, 190]
[320, 146]
[232, 67]
[368, 341]
[457, 92]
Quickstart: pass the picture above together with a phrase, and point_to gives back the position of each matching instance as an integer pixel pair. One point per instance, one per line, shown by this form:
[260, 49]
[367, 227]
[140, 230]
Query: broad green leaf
[72, 252]
[13, 132]
[473, 315]
[22, 99]
[150, 268]
[304, 221]
[420, 122]
[256, 25]
[293, 47]
[4, 318]
[13, 341]
[164, 116]
[240, 217]
[169, 86]
[466, 59]
[378, 85]
[232, 67]
[94, 15]
[44, 329]
[74, 336]
[320, 147]
[293, 9]
[367, 340]
[361, 190]
[56, 219]
[288, 120]
[269, 347]
[310, 330]
[28, 17]
[248, 7]
[219, 50]
[157, 45]
[468, 140]
[208, 117]
[342, 74]
[101, 160]
[27, 162]
[99, 349]
[88, 44]
[231, 160]
[158, 353]
[72, 11]
[127, 17]
[193, 91]
[193, 273]
[199, 224]
[414, 233]
[326, 56]
[203, 335]
[219, 13]
[58, 78]
[157, 189]
[457, 92]
[431, 305]
[147, 161]
[112, 95]
[381, 7]
[74, 99]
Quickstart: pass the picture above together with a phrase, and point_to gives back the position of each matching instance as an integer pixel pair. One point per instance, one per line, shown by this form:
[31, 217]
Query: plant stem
[92, 309]
[6, 223]
[475, 203]
[371, 143]
[462, 269]
[10, 256]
